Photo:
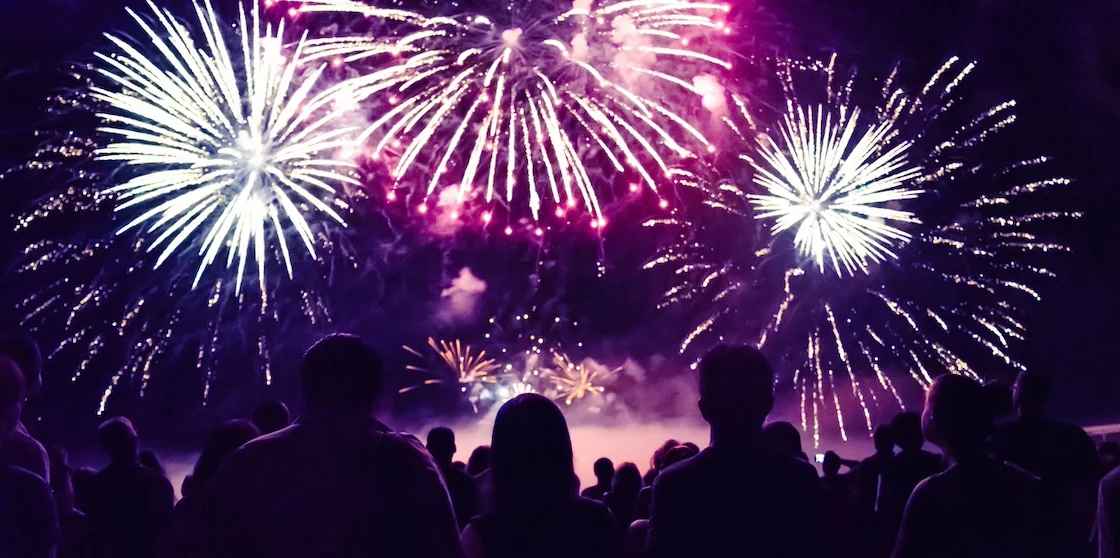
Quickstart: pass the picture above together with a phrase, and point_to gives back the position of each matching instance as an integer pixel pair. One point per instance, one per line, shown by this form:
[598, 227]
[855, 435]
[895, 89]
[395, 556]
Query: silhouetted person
[738, 497]
[130, 503]
[83, 479]
[978, 507]
[19, 448]
[336, 482]
[784, 436]
[1060, 454]
[604, 474]
[1107, 532]
[623, 496]
[149, 459]
[479, 461]
[73, 524]
[271, 416]
[462, 487]
[536, 509]
[870, 469]
[684, 451]
[835, 482]
[220, 445]
[655, 461]
[1109, 453]
[903, 472]
[28, 517]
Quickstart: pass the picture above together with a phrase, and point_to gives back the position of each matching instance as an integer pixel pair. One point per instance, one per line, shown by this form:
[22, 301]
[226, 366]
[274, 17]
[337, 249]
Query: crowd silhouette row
[338, 483]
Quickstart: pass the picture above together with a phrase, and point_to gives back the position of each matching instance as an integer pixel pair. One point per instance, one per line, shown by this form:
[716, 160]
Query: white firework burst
[835, 183]
[517, 101]
[224, 137]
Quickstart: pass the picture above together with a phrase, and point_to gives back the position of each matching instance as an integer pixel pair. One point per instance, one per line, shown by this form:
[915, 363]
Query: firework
[521, 103]
[223, 145]
[870, 248]
[571, 381]
[833, 182]
[210, 136]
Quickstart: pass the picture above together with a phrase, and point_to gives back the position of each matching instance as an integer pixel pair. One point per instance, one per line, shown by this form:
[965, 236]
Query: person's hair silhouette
[479, 461]
[906, 428]
[531, 460]
[119, 439]
[736, 390]
[441, 444]
[271, 416]
[341, 372]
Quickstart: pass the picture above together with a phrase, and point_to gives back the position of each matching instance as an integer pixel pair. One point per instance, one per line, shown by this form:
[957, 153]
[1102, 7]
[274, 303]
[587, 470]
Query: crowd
[338, 483]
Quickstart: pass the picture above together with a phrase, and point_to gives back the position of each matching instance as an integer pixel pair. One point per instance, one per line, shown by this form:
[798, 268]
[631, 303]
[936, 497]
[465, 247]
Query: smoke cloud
[459, 302]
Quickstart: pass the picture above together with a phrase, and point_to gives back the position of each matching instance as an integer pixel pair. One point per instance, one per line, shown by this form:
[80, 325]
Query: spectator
[537, 510]
[73, 524]
[1107, 529]
[130, 503]
[1061, 455]
[684, 451]
[623, 496]
[869, 471]
[978, 507]
[82, 480]
[28, 519]
[335, 483]
[902, 473]
[739, 497]
[785, 437]
[221, 444]
[655, 461]
[149, 459]
[838, 484]
[604, 474]
[18, 447]
[1110, 455]
[271, 416]
[479, 461]
[462, 487]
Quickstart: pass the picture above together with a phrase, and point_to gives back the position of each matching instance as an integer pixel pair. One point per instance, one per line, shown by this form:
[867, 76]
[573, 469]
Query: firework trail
[874, 244]
[216, 137]
[522, 103]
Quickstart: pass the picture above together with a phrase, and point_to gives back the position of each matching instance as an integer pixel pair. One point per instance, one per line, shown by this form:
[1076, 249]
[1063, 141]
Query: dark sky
[1061, 61]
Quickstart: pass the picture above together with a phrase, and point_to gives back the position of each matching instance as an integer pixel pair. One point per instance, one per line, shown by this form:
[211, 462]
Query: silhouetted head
[271, 416]
[627, 480]
[782, 436]
[221, 444]
[119, 439]
[25, 352]
[831, 464]
[341, 372]
[441, 444]
[659, 453]
[604, 471]
[906, 428]
[479, 461]
[884, 439]
[149, 459]
[532, 454]
[736, 389]
[13, 389]
[1030, 394]
[957, 415]
[678, 454]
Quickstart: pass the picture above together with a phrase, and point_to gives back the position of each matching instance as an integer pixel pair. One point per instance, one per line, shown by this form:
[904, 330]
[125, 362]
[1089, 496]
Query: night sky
[1061, 61]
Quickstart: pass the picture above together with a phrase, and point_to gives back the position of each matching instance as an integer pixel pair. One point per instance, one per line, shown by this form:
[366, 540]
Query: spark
[221, 146]
[531, 99]
[835, 184]
[466, 367]
[572, 381]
